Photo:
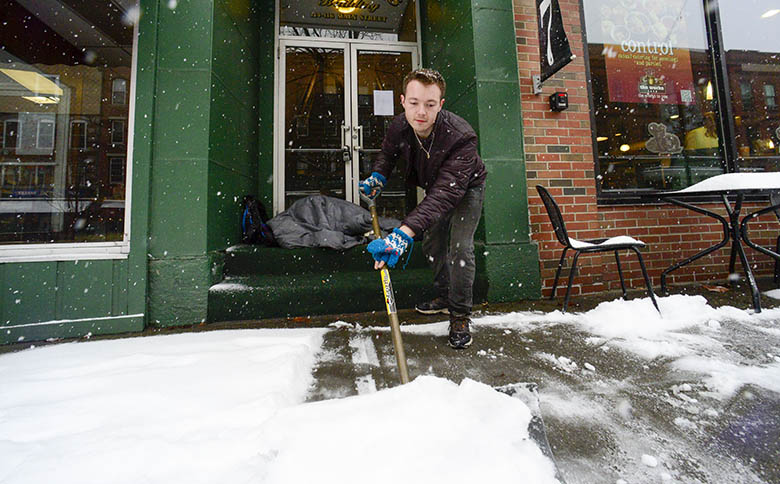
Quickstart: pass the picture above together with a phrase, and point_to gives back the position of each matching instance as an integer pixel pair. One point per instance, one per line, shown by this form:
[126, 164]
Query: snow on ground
[686, 330]
[162, 409]
[227, 406]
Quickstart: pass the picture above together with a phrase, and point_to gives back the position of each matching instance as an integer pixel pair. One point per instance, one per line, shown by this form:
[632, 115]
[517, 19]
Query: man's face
[422, 104]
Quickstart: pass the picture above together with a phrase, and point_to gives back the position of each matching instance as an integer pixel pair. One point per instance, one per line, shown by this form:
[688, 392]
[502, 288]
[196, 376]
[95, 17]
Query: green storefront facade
[203, 138]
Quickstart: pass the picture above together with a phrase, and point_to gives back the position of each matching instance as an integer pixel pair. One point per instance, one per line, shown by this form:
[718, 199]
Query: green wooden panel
[29, 292]
[233, 131]
[178, 208]
[265, 153]
[234, 55]
[84, 289]
[181, 119]
[119, 288]
[225, 193]
[495, 60]
[505, 211]
[184, 35]
[513, 272]
[499, 112]
[142, 155]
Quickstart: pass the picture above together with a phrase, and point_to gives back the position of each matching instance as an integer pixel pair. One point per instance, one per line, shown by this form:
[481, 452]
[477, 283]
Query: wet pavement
[639, 420]
[617, 417]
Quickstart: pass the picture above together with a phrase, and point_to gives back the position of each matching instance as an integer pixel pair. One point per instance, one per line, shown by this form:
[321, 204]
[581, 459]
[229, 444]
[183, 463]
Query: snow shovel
[387, 286]
[526, 392]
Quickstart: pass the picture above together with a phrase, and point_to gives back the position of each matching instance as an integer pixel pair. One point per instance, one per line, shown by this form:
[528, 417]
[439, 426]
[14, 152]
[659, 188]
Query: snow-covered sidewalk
[628, 396]
[227, 407]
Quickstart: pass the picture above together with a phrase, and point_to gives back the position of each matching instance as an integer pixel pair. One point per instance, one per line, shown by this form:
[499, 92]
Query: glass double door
[338, 101]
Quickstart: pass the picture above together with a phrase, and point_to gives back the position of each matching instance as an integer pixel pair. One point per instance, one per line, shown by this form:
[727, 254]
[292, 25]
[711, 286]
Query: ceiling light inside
[34, 82]
[770, 13]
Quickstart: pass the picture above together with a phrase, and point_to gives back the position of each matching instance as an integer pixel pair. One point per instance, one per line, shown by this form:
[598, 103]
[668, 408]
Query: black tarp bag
[254, 229]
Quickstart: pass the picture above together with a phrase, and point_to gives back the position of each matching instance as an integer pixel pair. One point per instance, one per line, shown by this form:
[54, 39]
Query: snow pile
[686, 329]
[430, 430]
[163, 409]
[226, 406]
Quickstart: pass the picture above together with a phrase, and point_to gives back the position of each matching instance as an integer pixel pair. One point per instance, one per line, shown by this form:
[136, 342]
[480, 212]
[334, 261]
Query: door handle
[357, 137]
[344, 130]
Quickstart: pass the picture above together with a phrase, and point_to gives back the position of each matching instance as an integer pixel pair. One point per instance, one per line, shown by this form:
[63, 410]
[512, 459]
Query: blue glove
[373, 185]
[391, 247]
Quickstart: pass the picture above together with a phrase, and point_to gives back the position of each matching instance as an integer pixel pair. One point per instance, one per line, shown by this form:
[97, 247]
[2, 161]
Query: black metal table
[738, 186]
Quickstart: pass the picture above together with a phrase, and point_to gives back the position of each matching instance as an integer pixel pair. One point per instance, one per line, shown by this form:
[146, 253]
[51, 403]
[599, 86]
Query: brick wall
[559, 156]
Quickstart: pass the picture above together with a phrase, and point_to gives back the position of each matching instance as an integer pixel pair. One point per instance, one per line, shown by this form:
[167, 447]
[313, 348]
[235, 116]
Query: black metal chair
[613, 244]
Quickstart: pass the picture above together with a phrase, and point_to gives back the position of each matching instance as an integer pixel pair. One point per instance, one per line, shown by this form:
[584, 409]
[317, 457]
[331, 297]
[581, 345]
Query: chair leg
[777, 262]
[620, 272]
[558, 273]
[648, 283]
[571, 278]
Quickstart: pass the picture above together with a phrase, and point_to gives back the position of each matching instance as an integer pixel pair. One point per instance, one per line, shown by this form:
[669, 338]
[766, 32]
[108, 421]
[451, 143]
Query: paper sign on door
[383, 103]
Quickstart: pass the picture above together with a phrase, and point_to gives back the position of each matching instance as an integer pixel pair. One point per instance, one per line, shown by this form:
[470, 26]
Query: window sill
[63, 252]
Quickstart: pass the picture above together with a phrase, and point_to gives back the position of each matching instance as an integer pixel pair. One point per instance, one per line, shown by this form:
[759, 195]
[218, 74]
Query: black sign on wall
[553, 43]
[367, 15]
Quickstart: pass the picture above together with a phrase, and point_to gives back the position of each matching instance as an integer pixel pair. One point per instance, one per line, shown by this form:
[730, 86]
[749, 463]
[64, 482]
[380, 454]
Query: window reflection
[751, 42]
[653, 100]
[64, 105]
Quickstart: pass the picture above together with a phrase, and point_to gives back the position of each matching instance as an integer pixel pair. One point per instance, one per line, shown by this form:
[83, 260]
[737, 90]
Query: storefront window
[65, 70]
[653, 101]
[379, 20]
[751, 45]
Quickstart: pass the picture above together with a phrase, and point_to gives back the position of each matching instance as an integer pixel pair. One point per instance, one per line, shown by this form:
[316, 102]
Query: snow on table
[734, 181]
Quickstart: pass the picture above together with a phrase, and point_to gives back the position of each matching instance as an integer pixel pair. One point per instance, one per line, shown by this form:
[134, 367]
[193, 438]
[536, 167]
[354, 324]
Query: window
[57, 84]
[659, 105]
[746, 93]
[45, 136]
[119, 91]
[78, 135]
[653, 99]
[10, 134]
[751, 45]
[117, 132]
[769, 96]
[117, 170]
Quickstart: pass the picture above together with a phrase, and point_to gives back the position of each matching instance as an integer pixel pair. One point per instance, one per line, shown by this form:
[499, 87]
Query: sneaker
[438, 305]
[460, 335]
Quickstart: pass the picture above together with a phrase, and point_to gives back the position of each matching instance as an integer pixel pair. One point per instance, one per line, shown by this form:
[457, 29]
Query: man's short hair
[427, 77]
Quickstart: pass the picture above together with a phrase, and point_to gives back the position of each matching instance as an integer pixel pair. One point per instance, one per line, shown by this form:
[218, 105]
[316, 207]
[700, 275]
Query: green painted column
[204, 147]
[265, 154]
[472, 42]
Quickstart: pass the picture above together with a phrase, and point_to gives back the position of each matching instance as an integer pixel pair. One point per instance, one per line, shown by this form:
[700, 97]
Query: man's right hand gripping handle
[373, 185]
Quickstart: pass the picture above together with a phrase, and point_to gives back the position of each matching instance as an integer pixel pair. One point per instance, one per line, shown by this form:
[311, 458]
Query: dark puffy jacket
[453, 168]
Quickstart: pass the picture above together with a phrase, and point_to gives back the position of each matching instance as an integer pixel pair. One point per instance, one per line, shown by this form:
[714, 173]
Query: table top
[729, 183]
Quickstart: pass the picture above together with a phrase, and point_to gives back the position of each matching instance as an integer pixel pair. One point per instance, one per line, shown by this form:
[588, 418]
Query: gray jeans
[449, 247]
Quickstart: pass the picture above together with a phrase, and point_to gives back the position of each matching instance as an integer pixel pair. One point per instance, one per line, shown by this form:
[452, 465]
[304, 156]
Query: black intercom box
[559, 101]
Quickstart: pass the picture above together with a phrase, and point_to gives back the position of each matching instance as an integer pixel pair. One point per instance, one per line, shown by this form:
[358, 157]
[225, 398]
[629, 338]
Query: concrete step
[271, 282]
[273, 296]
[245, 260]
